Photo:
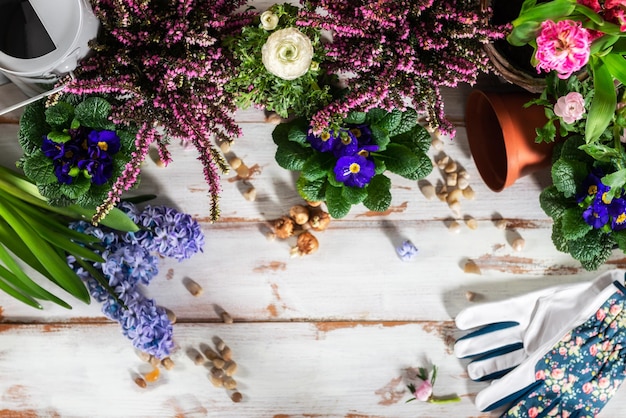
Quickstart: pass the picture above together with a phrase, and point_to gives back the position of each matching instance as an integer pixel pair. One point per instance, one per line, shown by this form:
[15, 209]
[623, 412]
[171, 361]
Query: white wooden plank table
[332, 334]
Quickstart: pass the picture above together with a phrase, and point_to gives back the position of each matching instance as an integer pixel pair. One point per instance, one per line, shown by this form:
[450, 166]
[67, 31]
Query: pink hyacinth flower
[424, 391]
[615, 12]
[570, 107]
[562, 46]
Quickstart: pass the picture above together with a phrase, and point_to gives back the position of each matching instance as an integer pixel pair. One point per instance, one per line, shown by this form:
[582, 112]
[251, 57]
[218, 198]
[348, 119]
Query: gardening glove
[565, 329]
[509, 330]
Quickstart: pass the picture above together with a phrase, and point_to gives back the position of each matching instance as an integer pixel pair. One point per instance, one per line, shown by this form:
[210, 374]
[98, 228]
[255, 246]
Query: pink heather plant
[164, 60]
[562, 46]
[398, 51]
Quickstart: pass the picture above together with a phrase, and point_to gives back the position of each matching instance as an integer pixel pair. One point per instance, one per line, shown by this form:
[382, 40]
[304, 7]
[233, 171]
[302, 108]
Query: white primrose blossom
[287, 53]
[269, 20]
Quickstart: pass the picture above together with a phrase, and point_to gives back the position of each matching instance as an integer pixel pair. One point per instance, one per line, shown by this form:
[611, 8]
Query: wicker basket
[508, 71]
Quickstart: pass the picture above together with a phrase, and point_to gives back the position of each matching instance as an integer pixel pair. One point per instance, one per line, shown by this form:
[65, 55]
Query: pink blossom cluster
[563, 46]
[613, 11]
[399, 52]
[164, 63]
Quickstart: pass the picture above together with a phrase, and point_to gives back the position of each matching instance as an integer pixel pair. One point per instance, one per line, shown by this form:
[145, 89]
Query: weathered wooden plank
[342, 369]
[356, 273]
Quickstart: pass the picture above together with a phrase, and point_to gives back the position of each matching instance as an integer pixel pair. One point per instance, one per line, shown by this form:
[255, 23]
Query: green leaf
[573, 225]
[298, 134]
[375, 115]
[553, 203]
[59, 137]
[604, 101]
[318, 165]
[57, 266]
[615, 181]
[355, 118]
[280, 134]
[400, 160]
[79, 187]
[94, 113]
[33, 127]
[60, 115]
[600, 152]
[380, 137]
[550, 10]
[354, 195]
[592, 250]
[312, 191]
[390, 121]
[407, 122]
[16, 276]
[567, 175]
[292, 156]
[378, 195]
[7, 276]
[416, 139]
[422, 169]
[337, 205]
[39, 169]
[559, 241]
[620, 239]
[616, 65]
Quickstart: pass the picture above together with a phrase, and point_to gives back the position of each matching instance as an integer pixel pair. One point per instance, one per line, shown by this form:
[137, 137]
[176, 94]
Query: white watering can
[41, 41]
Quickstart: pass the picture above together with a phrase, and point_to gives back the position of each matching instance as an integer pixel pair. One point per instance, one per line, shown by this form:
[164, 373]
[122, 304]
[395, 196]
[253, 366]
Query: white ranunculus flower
[287, 53]
[269, 20]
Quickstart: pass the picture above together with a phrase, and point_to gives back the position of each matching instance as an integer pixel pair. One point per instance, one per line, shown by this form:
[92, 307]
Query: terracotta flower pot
[501, 136]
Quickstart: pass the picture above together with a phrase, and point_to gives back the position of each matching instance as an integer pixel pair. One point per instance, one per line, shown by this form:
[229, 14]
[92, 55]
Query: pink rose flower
[600, 315]
[593, 350]
[562, 351]
[533, 412]
[587, 388]
[540, 375]
[424, 391]
[615, 309]
[570, 107]
[557, 374]
[563, 47]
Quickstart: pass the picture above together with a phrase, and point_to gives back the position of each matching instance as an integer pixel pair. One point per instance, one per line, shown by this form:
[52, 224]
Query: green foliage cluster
[71, 112]
[253, 84]
[570, 233]
[403, 144]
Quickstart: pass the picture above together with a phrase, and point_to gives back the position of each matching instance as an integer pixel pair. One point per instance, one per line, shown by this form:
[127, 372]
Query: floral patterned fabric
[583, 370]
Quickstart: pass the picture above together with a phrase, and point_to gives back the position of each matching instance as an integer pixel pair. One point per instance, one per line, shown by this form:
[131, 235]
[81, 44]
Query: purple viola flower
[362, 133]
[100, 170]
[597, 214]
[617, 211]
[592, 186]
[347, 144]
[62, 172]
[324, 143]
[354, 170]
[106, 141]
[52, 149]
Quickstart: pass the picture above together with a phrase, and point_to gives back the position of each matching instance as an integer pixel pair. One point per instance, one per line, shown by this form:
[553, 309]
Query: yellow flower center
[103, 145]
[356, 132]
[355, 168]
[593, 189]
[346, 140]
[605, 198]
[325, 136]
[621, 218]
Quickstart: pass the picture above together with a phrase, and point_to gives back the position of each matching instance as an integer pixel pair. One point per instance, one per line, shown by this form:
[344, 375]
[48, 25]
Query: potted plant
[280, 64]
[345, 165]
[586, 199]
[73, 152]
